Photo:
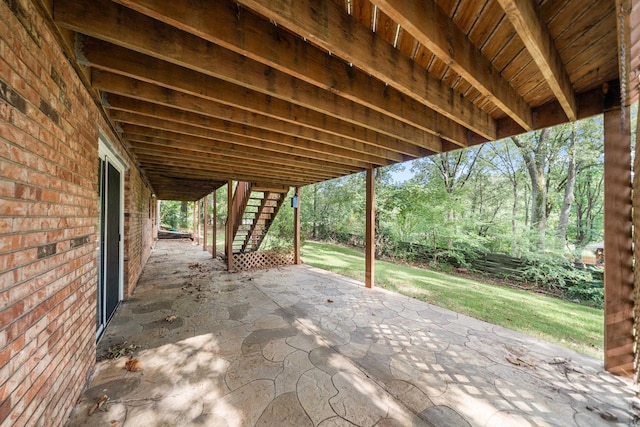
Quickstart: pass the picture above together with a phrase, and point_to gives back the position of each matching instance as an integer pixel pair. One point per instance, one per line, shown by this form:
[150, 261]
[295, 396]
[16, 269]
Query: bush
[587, 293]
[554, 272]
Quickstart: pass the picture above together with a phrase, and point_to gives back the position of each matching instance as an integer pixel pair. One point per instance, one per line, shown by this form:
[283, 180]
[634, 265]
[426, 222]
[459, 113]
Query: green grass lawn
[575, 326]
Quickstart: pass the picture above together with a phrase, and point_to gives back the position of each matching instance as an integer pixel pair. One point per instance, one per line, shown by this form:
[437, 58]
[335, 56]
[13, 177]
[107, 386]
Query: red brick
[7, 188]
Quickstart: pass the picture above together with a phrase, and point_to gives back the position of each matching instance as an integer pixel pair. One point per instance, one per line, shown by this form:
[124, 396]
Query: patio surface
[301, 346]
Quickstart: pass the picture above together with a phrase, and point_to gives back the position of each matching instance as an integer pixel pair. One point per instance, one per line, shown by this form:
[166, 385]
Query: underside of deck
[302, 346]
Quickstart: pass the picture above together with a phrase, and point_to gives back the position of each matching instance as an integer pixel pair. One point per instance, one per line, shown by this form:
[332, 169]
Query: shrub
[587, 293]
[554, 272]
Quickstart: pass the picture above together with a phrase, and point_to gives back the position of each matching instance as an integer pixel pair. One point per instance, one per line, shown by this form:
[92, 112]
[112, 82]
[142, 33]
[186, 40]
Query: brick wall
[140, 220]
[49, 129]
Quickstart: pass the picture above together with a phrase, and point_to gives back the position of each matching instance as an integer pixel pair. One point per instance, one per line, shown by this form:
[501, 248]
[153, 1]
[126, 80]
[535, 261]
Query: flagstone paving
[299, 346]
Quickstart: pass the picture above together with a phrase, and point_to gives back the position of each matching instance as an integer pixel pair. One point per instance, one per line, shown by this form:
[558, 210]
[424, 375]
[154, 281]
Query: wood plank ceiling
[293, 92]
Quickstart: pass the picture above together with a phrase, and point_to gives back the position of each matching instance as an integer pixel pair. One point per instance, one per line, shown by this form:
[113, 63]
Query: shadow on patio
[301, 346]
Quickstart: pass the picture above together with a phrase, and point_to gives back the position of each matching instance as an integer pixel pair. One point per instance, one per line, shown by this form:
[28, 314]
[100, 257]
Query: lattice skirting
[262, 259]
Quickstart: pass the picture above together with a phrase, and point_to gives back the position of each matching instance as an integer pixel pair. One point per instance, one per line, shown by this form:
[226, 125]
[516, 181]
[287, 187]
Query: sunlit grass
[575, 326]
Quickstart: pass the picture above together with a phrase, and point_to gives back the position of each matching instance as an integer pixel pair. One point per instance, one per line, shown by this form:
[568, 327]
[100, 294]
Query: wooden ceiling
[293, 92]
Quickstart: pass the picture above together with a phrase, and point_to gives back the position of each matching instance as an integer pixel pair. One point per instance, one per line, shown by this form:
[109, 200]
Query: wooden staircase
[254, 208]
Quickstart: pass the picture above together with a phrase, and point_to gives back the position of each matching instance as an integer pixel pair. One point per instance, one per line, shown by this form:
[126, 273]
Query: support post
[205, 220]
[214, 243]
[370, 237]
[229, 231]
[618, 249]
[296, 228]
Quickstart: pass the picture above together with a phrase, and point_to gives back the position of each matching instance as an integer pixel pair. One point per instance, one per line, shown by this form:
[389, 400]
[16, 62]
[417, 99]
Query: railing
[239, 204]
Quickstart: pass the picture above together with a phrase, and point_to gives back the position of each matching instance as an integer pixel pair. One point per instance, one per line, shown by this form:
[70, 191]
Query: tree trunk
[514, 222]
[535, 158]
[184, 214]
[315, 211]
[563, 221]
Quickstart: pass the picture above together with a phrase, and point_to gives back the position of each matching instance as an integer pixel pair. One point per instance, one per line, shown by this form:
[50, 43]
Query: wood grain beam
[135, 89]
[326, 24]
[216, 171]
[245, 33]
[618, 244]
[357, 151]
[524, 17]
[107, 21]
[219, 163]
[234, 156]
[165, 171]
[236, 135]
[106, 56]
[425, 21]
[551, 114]
[624, 30]
[140, 144]
[370, 229]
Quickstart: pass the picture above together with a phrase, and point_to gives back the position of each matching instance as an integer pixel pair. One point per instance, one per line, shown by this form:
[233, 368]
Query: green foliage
[176, 214]
[554, 272]
[280, 235]
[587, 293]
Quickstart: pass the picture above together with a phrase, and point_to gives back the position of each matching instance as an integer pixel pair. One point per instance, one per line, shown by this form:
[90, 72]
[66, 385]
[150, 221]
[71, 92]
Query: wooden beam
[162, 170]
[233, 135]
[326, 24]
[259, 171]
[370, 234]
[220, 163]
[228, 242]
[115, 24]
[323, 129]
[425, 21]
[618, 244]
[247, 34]
[533, 32]
[178, 148]
[636, 241]
[551, 114]
[623, 26]
[296, 228]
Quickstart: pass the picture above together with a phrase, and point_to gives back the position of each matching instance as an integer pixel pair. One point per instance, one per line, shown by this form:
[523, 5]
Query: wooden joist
[525, 19]
[107, 21]
[430, 26]
[277, 48]
[325, 24]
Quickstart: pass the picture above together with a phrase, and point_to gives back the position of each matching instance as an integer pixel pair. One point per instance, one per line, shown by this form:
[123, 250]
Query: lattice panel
[261, 259]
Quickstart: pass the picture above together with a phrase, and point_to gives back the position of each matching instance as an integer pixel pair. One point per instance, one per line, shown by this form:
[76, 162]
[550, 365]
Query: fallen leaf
[608, 416]
[132, 364]
[99, 404]
[513, 361]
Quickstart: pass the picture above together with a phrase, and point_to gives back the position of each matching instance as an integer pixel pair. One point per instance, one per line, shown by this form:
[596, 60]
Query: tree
[504, 159]
[534, 152]
[569, 184]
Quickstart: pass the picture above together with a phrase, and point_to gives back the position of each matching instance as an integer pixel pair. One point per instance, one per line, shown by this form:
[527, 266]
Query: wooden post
[205, 219]
[229, 231]
[214, 243]
[296, 228]
[370, 237]
[618, 250]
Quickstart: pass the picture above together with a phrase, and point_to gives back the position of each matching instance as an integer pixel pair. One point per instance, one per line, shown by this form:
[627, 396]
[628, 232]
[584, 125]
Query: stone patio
[300, 346]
